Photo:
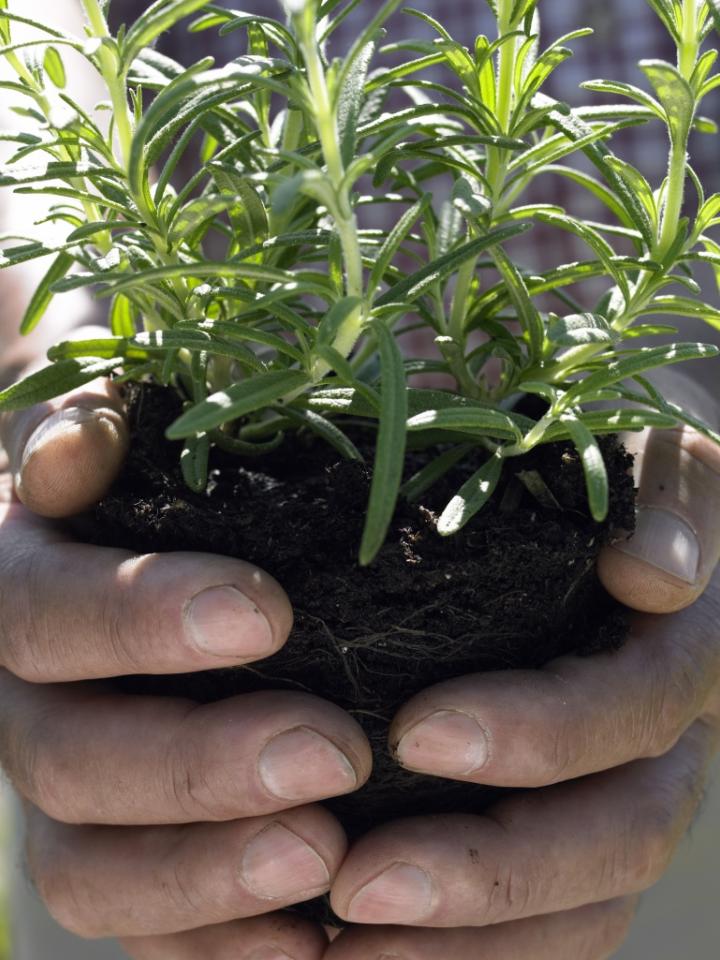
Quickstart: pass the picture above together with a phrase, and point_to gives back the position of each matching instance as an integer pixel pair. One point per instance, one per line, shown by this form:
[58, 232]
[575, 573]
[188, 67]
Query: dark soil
[515, 589]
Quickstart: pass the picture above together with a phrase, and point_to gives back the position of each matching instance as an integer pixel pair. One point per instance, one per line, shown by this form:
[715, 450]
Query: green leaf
[685, 307]
[527, 313]
[391, 443]
[43, 295]
[596, 477]
[249, 216]
[414, 286]
[55, 380]
[618, 89]
[123, 321]
[4, 24]
[675, 95]
[429, 475]
[11, 176]
[395, 240]
[155, 20]
[574, 127]
[478, 421]
[647, 358]
[237, 401]
[331, 324]
[350, 102]
[472, 497]
[580, 328]
[325, 429]
[194, 462]
[198, 212]
[55, 68]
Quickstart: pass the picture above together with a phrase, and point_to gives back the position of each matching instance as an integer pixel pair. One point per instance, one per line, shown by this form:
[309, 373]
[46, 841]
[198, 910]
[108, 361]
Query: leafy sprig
[253, 286]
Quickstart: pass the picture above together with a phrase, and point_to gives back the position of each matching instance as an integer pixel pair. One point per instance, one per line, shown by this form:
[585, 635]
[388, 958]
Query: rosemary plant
[293, 324]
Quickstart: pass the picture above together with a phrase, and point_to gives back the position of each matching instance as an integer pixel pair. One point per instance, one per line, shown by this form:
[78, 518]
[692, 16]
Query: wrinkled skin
[158, 821]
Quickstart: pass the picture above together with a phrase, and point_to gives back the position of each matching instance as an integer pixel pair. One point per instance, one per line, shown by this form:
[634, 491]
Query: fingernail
[268, 953]
[53, 427]
[301, 764]
[279, 865]
[665, 541]
[225, 623]
[445, 743]
[402, 894]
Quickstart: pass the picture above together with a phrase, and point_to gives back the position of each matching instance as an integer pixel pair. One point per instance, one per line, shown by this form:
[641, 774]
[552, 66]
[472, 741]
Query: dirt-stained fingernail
[446, 743]
[223, 622]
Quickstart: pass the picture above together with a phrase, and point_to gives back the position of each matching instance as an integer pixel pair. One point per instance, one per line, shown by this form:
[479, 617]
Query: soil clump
[515, 589]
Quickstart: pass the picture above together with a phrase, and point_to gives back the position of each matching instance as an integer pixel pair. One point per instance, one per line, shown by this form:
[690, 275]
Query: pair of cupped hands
[185, 830]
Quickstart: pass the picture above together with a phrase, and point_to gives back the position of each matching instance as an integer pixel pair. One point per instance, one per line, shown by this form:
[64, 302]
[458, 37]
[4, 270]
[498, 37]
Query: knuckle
[567, 747]
[680, 676]
[27, 648]
[187, 778]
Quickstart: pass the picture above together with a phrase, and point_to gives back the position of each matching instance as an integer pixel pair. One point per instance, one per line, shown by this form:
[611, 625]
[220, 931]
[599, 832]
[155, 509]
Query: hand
[620, 744]
[155, 820]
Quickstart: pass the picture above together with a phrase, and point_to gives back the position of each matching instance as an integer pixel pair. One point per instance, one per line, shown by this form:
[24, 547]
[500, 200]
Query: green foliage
[252, 285]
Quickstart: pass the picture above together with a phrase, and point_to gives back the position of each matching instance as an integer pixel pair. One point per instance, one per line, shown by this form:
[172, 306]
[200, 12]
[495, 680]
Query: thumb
[65, 454]
[668, 562]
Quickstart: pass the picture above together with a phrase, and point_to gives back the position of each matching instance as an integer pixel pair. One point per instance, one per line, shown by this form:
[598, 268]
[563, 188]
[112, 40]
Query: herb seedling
[253, 287]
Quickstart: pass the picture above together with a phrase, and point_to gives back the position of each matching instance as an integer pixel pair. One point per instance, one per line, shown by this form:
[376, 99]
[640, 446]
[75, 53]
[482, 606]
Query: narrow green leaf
[237, 401]
[123, 317]
[674, 93]
[324, 428]
[472, 497]
[596, 477]
[647, 358]
[527, 313]
[580, 328]
[194, 462]
[43, 295]
[414, 286]
[429, 475]
[391, 444]
[479, 421]
[55, 68]
[395, 240]
[155, 20]
[55, 380]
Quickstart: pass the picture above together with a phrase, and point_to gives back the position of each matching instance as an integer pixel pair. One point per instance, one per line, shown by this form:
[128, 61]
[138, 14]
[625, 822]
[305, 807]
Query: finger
[277, 936]
[131, 881]
[669, 560]
[588, 933]
[576, 716]
[88, 756]
[596, 839]
[65, 454]
[108, 612]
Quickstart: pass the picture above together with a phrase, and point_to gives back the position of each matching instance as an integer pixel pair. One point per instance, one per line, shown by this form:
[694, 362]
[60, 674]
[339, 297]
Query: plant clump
[256, 289]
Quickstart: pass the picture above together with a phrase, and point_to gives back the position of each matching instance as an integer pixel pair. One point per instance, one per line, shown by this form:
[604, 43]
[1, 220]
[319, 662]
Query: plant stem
[114, 80]
[345, 219]
[498, 158]
[688, 51]
[689, 48]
